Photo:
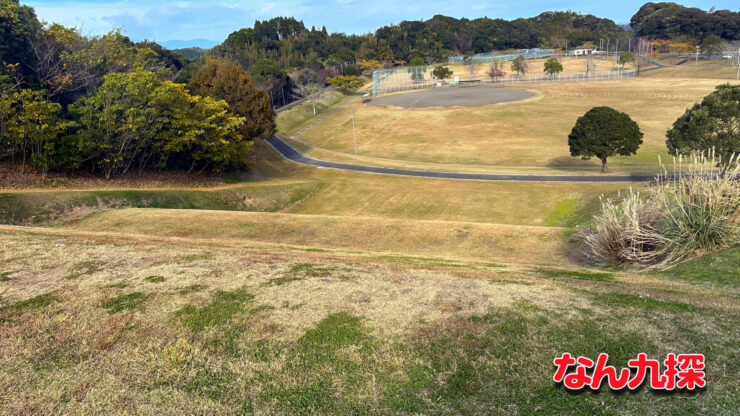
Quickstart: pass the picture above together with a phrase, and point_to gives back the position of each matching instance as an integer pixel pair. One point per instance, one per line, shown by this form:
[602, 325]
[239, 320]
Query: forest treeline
[274, 47]
[107, 105]
[673, 21]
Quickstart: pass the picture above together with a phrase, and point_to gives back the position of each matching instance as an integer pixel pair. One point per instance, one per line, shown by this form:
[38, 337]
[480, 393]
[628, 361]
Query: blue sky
[214, 19]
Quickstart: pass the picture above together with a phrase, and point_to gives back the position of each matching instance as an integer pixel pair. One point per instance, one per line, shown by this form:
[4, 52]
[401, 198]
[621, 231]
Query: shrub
[687, 213]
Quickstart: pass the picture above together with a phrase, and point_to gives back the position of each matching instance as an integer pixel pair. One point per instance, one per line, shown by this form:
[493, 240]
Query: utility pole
[607, 47]
[354, 135]
[616, 49]
[698, 48]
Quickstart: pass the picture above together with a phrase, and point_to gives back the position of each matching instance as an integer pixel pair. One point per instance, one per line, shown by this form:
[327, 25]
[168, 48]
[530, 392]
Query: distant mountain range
[197, 43]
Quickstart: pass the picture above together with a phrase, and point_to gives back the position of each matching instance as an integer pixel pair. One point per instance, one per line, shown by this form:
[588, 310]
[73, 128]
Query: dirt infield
[453, 97]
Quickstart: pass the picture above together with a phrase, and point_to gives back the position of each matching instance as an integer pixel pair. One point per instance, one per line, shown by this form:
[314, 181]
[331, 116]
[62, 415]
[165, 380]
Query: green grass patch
[36, 302]
[223, 307]
[581, 275]
[315, 398]
[129, 301]
[311, 270]
[280, 281]
[261, 308]
[5, 276]
[206, 255]
[619, 299]
[209, 383]
[422, 261]
[561, 213]
[300, 271]
[332, 333]
[192, 289]
[722, 268]
[120, 285]
[345, 277]
[309, 250]
[154, 279]
[85, 268]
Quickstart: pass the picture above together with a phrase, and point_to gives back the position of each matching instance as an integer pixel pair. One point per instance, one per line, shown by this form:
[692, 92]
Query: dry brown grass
[521, 244]
[718, 69]
[385, 196]
[526, 136]
[73, 356]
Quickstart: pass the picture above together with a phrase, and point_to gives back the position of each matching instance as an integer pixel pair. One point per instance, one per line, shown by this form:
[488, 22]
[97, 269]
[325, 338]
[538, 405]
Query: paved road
[290, 153]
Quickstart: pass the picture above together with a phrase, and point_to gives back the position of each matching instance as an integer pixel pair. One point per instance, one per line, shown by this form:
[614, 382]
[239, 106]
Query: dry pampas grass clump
[696, 209]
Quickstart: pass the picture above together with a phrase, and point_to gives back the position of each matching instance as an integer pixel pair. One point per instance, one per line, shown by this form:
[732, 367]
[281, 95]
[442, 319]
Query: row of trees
[105, 104]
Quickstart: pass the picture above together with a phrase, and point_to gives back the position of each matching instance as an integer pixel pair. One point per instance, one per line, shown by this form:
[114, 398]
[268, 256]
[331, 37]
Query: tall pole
[738, 63]
[607, 47]
[353, 133]
[697, 53]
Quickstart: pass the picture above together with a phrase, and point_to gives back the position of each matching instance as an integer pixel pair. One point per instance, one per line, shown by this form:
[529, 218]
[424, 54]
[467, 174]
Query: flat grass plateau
[530, 136]
[316, 291]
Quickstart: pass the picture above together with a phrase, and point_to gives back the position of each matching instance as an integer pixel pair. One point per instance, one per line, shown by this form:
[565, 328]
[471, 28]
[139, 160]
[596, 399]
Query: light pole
[698, 48]
[353, 133]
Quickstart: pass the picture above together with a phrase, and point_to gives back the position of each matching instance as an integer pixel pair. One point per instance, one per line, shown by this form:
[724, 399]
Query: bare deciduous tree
[497, 69]
[307, 91]
[590, 64]
[461, 42]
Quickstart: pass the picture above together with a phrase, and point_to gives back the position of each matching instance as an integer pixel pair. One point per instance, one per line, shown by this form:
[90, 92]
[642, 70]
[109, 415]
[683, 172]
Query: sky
[165, 20]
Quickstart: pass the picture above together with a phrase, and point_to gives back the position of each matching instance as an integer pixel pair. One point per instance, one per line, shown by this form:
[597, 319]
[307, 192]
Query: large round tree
[714, 124]
[604, 132]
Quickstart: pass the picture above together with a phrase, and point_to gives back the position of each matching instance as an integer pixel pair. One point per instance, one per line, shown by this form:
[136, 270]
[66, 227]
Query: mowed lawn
[102, 323]
[529, 136]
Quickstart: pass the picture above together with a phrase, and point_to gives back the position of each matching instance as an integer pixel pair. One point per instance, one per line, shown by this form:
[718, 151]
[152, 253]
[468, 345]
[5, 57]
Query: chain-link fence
[535, 53]
[387, 81]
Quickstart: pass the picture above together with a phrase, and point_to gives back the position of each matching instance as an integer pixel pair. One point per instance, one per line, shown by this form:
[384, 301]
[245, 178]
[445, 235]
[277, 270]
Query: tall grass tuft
[694, 210]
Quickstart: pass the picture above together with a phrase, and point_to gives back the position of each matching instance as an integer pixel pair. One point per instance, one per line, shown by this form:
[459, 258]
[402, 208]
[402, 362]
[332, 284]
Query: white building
[579, 52]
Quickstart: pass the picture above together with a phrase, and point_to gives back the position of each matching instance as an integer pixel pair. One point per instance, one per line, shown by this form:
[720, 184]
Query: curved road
[290, 153]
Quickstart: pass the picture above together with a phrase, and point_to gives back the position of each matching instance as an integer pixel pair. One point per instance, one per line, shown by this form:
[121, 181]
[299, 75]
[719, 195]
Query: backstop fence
[386, 81]
[535, 53]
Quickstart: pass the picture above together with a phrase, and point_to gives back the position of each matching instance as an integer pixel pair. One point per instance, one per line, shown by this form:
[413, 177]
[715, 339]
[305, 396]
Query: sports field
[403, 78]
[528, 136]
